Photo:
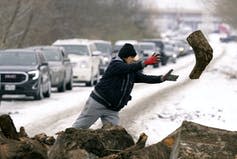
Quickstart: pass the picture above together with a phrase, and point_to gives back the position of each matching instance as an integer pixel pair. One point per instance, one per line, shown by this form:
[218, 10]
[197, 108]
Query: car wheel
[90, 83]
[62, 86]
[39, 95]
[48, 93]
[69, 84]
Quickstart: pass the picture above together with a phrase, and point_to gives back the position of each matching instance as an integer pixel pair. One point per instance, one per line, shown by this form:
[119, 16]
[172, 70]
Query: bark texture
[203, 53]
[189, 141]
[195, 141]
[14, 145]
[100, 142]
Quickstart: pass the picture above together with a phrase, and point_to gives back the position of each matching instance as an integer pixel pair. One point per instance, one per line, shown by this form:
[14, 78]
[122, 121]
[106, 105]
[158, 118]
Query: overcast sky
[175, 4]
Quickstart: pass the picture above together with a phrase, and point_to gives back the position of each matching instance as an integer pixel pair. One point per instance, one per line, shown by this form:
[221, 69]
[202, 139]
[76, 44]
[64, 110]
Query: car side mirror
[45, 64]
[66, 60]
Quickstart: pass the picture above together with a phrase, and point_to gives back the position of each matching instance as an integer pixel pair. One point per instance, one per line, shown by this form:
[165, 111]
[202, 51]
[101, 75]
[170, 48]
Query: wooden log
[12, 147]
[139, 151]
[141, 142]
[195, 141]
[203, 53]
[100, 142]
[7, 127]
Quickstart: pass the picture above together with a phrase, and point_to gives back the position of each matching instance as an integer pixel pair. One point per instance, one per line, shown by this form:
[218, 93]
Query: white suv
[85, 59]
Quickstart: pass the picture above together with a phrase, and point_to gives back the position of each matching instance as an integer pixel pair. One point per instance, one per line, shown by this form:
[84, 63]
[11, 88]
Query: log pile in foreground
[189, 141]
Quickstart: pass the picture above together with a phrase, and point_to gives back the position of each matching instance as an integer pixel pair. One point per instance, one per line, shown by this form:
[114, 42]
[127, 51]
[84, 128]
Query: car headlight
[105, 60]
[181, 49]
[84, 64]
[34, 74]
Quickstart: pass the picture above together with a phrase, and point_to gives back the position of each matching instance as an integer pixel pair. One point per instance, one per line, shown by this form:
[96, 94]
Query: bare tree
[10, 24]
[42, 22]
[226, 10]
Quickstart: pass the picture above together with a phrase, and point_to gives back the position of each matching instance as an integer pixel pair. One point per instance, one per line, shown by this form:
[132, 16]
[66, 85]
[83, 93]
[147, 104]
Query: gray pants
[94, 110]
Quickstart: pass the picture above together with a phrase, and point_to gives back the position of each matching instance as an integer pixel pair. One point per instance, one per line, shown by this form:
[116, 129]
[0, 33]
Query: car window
[76, 49]
[104, 48]
[147, 47]
[52, 55]
[117, 47]
[169, 47]
[18, 58]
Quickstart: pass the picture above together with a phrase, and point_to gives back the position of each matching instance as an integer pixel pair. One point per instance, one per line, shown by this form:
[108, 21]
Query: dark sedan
[24, 72]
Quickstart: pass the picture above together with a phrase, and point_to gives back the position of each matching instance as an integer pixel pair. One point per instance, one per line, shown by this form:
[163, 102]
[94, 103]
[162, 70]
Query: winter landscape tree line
[24, 23]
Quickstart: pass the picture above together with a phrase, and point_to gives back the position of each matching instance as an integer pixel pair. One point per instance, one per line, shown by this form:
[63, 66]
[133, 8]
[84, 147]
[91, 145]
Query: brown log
[12, 147]
[197, 141]
[203, 53]
[7, 127]
[100, 142]
[139, 151]
[22, 132]
[141, 142]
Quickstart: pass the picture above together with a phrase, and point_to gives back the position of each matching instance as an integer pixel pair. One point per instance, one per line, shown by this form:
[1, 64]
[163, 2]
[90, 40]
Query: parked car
[148, 49]
[118, 45]
[159, 46]
[171, 51]
[61, 73]
[183, 47]
[85, 59]
[25, 72]
[229, 38]
[105, 47]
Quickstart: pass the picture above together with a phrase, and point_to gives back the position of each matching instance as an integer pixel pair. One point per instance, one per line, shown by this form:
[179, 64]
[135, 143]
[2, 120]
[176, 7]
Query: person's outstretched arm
[142, 78]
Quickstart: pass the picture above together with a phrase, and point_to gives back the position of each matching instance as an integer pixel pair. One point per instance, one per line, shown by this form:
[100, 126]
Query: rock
[203, 53]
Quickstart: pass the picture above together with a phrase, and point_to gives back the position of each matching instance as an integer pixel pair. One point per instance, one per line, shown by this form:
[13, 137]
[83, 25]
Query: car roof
[147, 43]
[49, 47]
[101, 41]
[71, 42]
[20, 50]
[122, 42]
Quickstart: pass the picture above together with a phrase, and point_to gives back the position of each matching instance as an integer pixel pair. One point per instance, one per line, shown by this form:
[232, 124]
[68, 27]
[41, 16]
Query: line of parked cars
[33, 71]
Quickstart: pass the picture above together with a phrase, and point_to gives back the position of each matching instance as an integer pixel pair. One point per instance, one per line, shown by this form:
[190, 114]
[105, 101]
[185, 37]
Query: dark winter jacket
[114, 88]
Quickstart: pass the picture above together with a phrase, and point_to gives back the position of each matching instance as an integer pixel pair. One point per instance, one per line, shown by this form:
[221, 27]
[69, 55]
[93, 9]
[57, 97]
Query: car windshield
[169, 47]
[17, 59]
[147, 47]
[52, 55]
[76, 49]
[104, 48]
[118, 47]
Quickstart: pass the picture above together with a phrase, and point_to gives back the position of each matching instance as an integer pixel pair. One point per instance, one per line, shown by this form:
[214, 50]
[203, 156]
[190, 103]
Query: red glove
[155, 58]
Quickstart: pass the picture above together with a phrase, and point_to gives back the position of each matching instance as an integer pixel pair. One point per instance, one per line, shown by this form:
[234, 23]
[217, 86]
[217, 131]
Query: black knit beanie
[126, 51]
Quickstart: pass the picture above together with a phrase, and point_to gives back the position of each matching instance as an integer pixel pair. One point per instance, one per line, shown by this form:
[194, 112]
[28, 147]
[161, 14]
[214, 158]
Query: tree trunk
[203, 53]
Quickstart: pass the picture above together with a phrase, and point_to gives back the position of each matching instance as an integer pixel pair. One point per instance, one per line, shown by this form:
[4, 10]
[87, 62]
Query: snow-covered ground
[210, 100]
[156, 109]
